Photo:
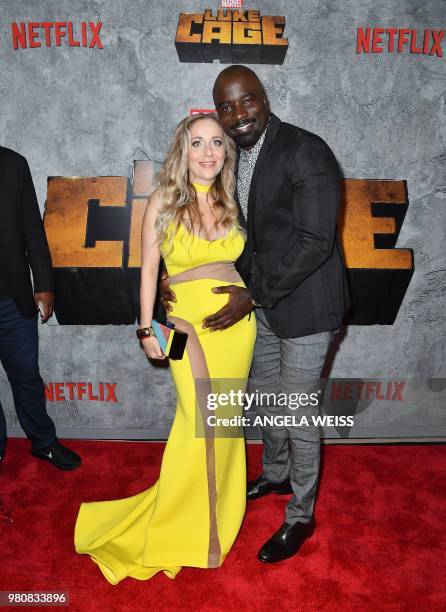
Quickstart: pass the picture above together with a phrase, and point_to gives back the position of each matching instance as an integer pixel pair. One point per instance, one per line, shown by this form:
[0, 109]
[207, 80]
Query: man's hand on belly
[238, 306]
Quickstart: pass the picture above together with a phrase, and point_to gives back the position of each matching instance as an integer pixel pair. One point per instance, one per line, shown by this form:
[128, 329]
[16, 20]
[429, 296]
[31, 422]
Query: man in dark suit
[23, 245]
[288, 194]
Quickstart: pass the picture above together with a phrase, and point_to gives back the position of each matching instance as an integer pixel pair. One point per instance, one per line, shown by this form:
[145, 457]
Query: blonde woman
[192, 514]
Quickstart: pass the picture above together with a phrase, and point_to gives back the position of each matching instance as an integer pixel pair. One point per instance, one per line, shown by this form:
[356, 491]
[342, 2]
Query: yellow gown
[192, 514]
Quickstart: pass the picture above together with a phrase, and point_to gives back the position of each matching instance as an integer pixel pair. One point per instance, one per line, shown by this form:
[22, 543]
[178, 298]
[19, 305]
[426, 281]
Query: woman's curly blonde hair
[177, 196]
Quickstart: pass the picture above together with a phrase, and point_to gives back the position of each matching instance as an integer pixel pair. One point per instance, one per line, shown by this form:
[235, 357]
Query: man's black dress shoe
[261, 486]
[286, 542]
[59, 455]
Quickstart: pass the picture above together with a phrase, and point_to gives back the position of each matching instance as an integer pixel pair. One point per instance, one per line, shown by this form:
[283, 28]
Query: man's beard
[246, 141]
[249, 139]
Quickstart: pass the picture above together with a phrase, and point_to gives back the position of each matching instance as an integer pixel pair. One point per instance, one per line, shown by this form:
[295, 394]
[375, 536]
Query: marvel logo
[231, 4]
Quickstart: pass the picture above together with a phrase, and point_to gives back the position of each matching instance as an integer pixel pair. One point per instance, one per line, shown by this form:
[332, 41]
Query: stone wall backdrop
[76, 111]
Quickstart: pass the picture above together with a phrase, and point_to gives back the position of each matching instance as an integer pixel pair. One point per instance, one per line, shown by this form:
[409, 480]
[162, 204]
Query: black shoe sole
[58, 465]
[289, 555]
[277, 560]
[276, 491]
[282, 492]
[292, 554]
[269, 493]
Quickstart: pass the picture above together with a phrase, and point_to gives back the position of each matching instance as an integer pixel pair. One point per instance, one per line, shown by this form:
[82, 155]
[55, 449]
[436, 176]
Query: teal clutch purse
[172, 341]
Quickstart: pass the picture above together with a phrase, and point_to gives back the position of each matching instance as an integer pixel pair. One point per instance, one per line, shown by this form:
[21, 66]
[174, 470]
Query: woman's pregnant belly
[227, 353]
[196, 301]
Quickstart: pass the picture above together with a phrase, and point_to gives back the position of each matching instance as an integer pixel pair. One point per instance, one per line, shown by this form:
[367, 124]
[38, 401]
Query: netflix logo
[62, 391]
[371, 389]
[32, 34]
[378, 40]
[202, 111]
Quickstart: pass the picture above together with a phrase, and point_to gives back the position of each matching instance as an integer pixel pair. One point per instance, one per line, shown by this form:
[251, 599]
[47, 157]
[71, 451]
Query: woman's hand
[152, 348]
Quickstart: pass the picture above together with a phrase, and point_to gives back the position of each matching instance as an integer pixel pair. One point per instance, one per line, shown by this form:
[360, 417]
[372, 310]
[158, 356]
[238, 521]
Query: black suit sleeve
[243, 267]
[314, 177]
[35, 239]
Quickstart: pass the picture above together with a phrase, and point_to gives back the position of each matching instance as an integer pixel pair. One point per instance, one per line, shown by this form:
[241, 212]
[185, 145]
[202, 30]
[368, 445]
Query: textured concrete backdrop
[76, 111]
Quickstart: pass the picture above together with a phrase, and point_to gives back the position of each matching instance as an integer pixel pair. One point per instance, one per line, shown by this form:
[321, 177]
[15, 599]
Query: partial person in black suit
[288, 192]
[23, 245]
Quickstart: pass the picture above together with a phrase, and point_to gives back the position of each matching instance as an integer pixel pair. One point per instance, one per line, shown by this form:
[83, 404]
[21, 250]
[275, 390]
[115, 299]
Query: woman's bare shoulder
[155, 200]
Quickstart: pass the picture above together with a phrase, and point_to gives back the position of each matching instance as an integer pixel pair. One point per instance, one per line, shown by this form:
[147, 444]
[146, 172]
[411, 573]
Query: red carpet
[379, 544]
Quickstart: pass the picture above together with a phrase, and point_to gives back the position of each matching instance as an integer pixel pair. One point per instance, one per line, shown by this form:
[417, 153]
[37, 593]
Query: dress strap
[217, 270]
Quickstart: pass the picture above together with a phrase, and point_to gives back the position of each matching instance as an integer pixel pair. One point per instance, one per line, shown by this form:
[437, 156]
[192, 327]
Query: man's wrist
[255, 304]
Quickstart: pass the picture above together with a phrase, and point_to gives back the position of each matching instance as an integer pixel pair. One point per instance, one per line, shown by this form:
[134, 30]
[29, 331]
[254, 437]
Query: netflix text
[379, 40]
[93, 392]
[32, 34]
